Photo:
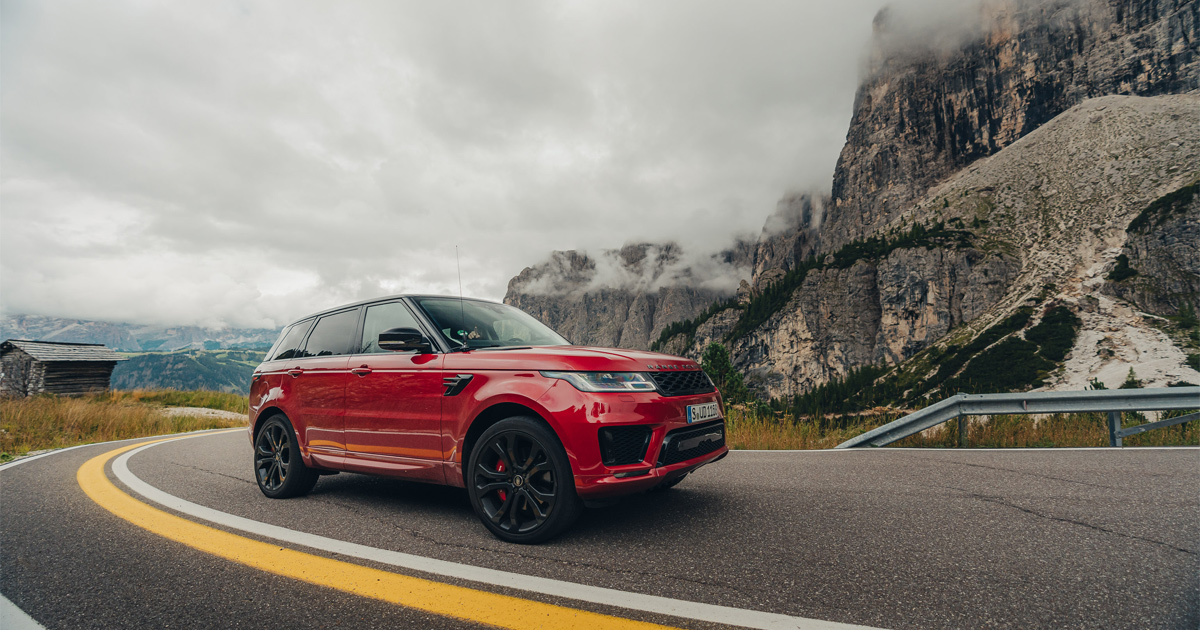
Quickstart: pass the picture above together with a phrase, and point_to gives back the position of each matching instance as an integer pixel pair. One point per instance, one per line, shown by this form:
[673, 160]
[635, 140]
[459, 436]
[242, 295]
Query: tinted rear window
[332, 335]
[287, 347]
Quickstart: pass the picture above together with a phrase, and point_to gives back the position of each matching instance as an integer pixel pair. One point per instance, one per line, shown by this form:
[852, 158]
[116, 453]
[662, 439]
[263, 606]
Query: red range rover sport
[480, 395]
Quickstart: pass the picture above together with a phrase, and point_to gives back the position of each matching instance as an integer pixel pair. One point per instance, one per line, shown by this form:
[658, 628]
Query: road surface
[883, 538]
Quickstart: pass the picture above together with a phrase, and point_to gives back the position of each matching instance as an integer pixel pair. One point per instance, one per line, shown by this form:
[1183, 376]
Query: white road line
[529, 583]
[13, 618]
[30, 458]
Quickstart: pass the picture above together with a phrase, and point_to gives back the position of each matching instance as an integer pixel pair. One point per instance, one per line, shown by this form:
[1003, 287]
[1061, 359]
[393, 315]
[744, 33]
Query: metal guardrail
[1111, 401]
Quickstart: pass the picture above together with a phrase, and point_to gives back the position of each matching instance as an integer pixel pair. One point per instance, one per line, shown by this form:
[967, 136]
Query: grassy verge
[223, 401]
[753, 430]
[42, 422]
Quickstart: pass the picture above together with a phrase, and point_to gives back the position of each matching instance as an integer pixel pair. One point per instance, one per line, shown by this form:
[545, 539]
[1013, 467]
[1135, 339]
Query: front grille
[681, 445]
[682, 383]
[623, 445]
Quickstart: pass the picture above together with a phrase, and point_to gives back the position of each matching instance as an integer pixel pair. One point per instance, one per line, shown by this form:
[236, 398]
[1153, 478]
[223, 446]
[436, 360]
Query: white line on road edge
[56, 451]
[13, 618]
[545, 586]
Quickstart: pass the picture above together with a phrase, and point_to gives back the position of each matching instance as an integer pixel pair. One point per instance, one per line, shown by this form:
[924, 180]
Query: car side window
[332, 335]
[289, 345]
[381, 317]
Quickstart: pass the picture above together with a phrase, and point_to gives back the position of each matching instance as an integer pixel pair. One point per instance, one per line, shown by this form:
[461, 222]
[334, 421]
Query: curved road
[883, 538]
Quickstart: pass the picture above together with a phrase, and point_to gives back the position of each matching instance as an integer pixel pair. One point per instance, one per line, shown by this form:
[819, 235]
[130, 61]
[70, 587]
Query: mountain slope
[133, 337]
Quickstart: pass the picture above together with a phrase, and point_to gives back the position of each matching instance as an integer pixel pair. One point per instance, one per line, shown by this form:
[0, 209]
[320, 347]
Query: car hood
[569, 358]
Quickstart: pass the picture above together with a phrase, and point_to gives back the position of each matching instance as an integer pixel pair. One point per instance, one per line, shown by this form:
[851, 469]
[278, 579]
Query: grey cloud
[242, 163]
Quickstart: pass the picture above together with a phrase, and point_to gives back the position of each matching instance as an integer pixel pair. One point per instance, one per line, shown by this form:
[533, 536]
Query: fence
[1113, 402]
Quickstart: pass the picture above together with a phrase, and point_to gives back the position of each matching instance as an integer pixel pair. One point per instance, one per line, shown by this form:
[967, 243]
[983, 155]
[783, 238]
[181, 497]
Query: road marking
[570, 590]
[25, 459]
[13, 618]
[435, 597]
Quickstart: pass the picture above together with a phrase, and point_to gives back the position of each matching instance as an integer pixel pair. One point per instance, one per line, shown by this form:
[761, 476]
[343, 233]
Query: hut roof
[57, 351]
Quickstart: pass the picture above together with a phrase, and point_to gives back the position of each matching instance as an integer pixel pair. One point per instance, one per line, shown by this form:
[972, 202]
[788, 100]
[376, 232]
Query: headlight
[605, 381]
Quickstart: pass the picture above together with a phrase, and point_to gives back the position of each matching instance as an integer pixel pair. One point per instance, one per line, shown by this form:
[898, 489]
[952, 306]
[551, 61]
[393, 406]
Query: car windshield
[471, 324]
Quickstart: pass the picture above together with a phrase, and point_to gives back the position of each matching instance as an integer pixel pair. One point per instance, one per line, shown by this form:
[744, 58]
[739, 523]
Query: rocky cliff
[922, 113]
[1158, 269]
[1046, 216]
[625, 297]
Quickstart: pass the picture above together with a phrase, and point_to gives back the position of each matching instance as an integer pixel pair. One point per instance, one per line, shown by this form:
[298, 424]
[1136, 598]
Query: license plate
[700, 413]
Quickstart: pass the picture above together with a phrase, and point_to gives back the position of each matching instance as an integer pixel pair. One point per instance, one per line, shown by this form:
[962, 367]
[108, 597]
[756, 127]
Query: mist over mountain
[987, 187]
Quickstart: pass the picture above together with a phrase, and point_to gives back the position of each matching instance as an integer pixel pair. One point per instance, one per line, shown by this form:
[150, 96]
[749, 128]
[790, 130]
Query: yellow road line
[435, 597]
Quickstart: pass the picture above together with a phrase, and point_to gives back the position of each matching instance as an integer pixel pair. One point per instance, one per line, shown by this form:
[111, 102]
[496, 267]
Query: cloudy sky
[243, 163]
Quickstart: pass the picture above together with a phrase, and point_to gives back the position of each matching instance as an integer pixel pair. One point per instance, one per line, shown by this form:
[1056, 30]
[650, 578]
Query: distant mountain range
[214, 370]
[134, 337]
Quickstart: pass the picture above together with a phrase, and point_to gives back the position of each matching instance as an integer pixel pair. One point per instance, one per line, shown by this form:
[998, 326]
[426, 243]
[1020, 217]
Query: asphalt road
[885, 538]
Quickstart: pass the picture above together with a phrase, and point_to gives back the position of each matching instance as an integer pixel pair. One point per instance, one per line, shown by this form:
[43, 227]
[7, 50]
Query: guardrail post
[1114, 428]
[962, 431]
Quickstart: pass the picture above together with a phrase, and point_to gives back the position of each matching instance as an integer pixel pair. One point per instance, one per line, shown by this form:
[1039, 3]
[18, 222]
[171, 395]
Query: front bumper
[580, 416]
[640, 477]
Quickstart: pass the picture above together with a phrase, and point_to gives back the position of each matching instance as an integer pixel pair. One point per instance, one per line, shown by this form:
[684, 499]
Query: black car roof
[385, 298]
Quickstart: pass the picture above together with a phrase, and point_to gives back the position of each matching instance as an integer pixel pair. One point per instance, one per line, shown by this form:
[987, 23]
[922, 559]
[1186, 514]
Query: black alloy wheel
[520, 482]
[278, 467]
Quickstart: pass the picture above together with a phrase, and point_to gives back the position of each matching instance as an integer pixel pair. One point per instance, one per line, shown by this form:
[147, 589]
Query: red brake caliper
[500, 468]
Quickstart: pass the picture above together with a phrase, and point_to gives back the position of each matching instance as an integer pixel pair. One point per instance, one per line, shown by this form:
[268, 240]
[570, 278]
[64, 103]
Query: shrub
[1131, 381]
[1009, 365]
[715, 362]
[1055, 334]
[1187, 316]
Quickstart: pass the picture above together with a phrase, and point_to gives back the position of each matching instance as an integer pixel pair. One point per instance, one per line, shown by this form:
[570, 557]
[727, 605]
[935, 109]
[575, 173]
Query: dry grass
[42, 422]
[224, 401]
[749, 430]
[1058, 430]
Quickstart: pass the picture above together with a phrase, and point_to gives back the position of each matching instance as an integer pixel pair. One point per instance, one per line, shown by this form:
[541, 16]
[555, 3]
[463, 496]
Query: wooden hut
[36, 367]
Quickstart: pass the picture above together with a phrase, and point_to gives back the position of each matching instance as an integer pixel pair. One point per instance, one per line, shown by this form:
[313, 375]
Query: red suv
[481, 395]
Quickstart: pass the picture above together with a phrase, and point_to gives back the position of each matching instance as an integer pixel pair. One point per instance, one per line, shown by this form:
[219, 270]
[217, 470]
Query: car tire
[278, 466]
[520, 483]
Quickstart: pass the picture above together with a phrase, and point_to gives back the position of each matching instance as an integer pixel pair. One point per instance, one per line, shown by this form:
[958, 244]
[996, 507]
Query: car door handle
[360, 371]
[295, 372]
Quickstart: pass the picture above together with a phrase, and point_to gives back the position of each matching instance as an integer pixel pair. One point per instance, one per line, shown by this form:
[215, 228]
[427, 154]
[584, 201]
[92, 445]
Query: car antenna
[462, 314]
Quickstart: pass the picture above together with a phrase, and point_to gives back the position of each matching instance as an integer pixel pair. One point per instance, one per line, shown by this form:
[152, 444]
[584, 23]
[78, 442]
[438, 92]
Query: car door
[393, 401]
[318, 379]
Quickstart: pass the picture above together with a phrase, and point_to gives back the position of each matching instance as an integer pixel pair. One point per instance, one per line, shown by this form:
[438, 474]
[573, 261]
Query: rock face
[922, 113]
[1163, 248]
[790, 235]
[624, 298]
[1049, 212]
[875, 312]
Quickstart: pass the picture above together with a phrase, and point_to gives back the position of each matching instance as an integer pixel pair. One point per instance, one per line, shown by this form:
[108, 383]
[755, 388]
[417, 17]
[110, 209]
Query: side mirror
[404, 340]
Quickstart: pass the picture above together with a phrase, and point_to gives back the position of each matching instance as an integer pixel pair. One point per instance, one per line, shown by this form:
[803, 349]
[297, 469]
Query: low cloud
[243, 163]
[638, 268]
